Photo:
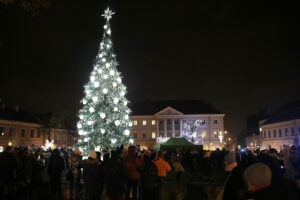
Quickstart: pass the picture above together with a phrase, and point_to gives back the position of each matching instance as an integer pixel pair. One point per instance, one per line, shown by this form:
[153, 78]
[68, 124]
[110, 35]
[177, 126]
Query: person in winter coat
[177, 166]
[8, 166]
[258, 177]
[56, 166]
[34, 173]
[93, 176]
[234, 182]
[163, 166]
[75, 162]
[114, 178]
[149, 180]
[132, 167]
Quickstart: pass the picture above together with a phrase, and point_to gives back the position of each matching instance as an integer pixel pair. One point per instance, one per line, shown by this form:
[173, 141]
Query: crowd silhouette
[127, 173]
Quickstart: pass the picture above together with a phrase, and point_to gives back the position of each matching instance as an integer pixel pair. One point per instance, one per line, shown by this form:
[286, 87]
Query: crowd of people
[128, 173]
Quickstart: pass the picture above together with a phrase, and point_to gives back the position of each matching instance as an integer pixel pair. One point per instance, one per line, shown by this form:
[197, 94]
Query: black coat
[114, 178]
[234, 184]
[56, 165]
[272, 193]
[149, 176]
[93, 177]
[8, 165]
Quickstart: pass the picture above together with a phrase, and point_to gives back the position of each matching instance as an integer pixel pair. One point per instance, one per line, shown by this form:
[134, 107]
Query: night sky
[238, 55]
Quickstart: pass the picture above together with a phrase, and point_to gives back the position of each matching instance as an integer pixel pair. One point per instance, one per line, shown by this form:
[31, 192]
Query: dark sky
[237, 55]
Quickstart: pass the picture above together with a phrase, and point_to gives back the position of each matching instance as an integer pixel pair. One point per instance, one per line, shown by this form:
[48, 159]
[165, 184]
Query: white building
[277, 133]
[201, 129]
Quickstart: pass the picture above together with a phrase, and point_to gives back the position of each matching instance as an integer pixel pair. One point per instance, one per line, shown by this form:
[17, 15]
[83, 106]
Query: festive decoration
[104, 118]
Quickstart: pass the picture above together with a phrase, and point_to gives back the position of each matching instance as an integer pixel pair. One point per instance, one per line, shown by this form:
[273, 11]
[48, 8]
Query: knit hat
[93, 154]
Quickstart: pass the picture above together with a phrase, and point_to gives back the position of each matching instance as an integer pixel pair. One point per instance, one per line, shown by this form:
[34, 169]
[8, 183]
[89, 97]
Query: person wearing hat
[234, 181]
[93, 176]
[74, 174]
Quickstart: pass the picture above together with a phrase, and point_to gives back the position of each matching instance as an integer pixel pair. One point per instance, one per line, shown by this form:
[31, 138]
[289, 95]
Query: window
[286, 132]
[153, 122]
[269, 134]
[135, 122]
[279, 132]
[144, 122]
[176, 122]
[135, 135]
[11, 131]
[169, 121]
[274, 133]
[265, 135]
[160, 122]
[216, 133]
[293, 131]
[23, 132]
[153, 135]
[1, 131]
[39, 133]
[31, 133]
[215, 121]
[144, 135]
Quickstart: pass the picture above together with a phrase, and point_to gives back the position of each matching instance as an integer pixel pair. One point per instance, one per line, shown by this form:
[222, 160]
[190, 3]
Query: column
[165, 128]
[180, 129]
[173, 128]
[157, 129]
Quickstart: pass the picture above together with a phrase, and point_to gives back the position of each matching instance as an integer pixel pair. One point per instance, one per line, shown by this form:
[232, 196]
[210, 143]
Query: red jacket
[132, 166]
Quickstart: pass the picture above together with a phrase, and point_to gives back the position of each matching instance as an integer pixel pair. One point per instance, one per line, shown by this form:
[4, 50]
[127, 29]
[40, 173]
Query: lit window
[153, 135]
[153, 122]
[1, 131]
[135, 122]
[144, 122]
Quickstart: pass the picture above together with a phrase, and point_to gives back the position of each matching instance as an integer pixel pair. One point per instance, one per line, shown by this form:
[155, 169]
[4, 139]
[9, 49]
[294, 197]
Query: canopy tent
[174, 143]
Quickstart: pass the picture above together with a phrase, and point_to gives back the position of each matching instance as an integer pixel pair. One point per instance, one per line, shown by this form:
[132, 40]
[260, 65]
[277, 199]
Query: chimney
[17, 108]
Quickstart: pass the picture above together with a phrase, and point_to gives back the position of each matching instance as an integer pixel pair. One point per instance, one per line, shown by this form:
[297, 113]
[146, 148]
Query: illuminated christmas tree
[104, 118]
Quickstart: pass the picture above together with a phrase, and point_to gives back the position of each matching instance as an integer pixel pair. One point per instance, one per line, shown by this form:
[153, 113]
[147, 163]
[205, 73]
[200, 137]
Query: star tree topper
[108, 14]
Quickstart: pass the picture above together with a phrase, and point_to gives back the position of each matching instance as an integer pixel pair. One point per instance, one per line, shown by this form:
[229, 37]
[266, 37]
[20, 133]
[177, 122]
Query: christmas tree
[104, 118]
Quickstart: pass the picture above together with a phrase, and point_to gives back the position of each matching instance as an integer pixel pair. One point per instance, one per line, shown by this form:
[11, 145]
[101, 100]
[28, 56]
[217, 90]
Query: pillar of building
[157, 129]
[165, 128]
[173, 128]
[180, 129]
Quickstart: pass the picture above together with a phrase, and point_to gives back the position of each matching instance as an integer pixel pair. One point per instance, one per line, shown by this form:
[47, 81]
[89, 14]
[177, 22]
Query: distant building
[251, 135]
[283, 128]
[21, 128]
[155, 122]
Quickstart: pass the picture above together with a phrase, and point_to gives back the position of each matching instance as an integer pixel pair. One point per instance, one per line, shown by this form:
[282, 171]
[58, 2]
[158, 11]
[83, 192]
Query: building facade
[280, 133]
[20, 128]
[200, 129]
[16, 133]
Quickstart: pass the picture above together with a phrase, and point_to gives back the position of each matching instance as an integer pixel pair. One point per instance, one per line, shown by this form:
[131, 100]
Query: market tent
[174, 143]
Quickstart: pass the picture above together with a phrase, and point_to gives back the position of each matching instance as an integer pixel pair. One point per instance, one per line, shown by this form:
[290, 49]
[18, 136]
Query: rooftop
[18, 115]
[184, 106]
